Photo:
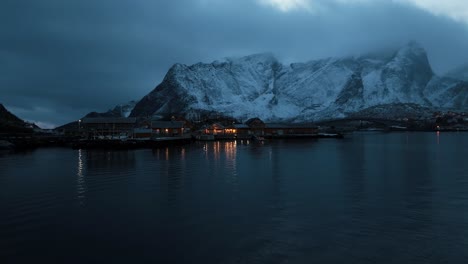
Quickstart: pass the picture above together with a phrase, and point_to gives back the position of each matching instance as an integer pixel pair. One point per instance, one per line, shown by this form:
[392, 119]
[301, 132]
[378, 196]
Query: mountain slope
[460, 73]
[10, 123]
[258, 85]
[121, 110]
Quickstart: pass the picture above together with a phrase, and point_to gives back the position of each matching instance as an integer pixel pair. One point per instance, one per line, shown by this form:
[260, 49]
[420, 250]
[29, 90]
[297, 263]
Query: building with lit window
[168, 128]
[107, 127]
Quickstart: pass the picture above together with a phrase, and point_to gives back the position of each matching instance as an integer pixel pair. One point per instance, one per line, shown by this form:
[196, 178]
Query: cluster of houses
[256, 127]
[129, 127]
[124, 128]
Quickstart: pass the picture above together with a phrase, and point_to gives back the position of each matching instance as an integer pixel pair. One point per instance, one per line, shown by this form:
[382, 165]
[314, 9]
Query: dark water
[371, 198]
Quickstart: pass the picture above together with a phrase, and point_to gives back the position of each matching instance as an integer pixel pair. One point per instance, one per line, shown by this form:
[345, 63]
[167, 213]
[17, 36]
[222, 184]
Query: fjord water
[369, 198]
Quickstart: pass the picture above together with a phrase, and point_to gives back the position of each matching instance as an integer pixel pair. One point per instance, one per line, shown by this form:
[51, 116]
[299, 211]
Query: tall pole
[79, 127]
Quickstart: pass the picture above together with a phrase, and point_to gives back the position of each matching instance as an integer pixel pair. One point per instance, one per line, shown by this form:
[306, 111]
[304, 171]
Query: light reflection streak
[205, 150]
[225, 154]
[230, 152]
[216, 150]
[80, 180]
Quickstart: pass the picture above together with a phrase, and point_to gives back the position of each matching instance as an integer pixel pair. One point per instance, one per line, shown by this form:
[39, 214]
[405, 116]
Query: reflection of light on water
[182, 154]
[230, 151]
[80, 181]
[205, 150]
[224, 154]
[80, 162]
[157, 152]
[438, 137]
[216, 147]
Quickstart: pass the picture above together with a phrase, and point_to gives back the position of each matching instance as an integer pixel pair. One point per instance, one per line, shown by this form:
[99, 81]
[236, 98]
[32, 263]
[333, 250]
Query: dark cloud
[61, 59]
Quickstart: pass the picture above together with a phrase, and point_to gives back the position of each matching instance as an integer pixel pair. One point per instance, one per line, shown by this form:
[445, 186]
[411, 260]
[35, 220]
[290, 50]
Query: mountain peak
[412, 48]
[120, 110]
[258, 85]
[460, 72]
[10, 122]
[414, 44]
[413, 59]
[267, 57]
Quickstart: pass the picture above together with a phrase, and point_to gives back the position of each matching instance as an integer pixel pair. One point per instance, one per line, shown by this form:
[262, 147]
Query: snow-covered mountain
[121, 110]
[460, 73]
[260, 86]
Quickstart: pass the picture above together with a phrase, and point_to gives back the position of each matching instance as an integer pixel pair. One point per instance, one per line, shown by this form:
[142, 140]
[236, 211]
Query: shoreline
[34, 142]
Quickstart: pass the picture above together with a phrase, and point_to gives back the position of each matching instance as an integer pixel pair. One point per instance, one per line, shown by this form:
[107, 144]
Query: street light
[79, 126]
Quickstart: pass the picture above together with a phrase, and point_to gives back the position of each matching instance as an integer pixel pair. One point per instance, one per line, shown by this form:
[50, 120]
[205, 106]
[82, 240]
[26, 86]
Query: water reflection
[80, 179]
[417, 209]
[231, 175]
[357, 211]
[353, 169]
[101, 160]
[172, 173]
[277, 186]
[380, 198]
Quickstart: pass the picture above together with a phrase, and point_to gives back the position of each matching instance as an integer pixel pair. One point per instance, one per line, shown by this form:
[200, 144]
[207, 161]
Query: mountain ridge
[120, 110]
[11, 123]
[460, 72]
[259, 85]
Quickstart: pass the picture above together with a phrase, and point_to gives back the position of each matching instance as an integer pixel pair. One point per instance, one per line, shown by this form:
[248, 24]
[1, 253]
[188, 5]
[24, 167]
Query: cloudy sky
[60, 59]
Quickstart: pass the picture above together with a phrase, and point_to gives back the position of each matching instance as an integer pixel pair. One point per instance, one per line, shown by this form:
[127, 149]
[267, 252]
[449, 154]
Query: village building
[168, 128]
[240, 130]
[142, 133]
[107, 127]
[215, 129]
[289, 130]
[256, 126]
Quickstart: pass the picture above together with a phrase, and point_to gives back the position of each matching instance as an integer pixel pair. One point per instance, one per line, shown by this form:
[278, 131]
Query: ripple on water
[380, 198]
